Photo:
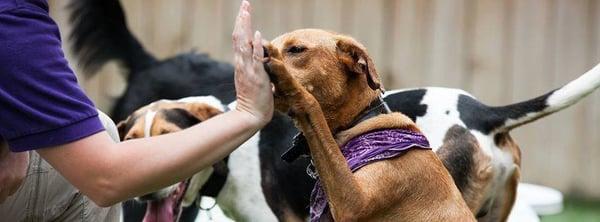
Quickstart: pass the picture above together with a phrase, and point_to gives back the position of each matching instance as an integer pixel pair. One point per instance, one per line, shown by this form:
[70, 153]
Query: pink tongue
[162, 210]
[159, 211]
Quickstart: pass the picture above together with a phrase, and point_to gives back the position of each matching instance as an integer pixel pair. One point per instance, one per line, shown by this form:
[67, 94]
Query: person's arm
[111, 172]
[13, 169]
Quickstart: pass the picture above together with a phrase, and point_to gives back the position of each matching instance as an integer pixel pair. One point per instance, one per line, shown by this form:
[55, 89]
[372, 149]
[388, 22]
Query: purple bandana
[364, 149]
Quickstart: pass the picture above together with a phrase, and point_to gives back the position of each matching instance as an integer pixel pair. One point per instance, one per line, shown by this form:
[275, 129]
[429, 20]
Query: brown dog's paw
[290, 96]
[285, 85]
[283, 80]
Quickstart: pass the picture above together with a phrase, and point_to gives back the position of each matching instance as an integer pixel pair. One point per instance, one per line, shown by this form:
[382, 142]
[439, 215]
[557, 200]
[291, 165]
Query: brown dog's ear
[202, 111]
[356, 59]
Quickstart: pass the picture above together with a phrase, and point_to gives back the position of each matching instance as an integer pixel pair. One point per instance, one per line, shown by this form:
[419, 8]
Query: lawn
[577, 211]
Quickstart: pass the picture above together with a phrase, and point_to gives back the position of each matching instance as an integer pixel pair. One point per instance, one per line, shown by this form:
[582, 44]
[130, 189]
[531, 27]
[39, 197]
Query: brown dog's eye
[296, 49]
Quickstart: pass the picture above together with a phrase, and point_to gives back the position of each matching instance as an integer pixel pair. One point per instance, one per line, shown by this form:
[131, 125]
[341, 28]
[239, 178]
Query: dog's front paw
[284, 83]
[290, 96]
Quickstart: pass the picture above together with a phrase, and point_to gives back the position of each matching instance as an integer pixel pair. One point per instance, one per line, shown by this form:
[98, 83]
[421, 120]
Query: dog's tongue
[167, 209]
[159, 210]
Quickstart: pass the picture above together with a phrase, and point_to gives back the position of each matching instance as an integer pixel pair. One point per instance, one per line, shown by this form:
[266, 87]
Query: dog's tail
[517, 114]
[100, 34]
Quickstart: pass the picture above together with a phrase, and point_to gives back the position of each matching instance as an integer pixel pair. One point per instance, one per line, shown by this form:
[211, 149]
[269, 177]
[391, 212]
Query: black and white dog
[100, 34]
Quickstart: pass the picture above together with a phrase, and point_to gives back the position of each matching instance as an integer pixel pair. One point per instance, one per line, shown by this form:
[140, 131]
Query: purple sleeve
[41, 104]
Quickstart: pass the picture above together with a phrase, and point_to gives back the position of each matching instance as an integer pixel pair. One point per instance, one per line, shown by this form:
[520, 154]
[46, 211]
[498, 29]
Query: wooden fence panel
[570, 62]
[448, 66]
[412, 25]
[500, 51]
[592, 117]
[530, 77]
[489, 50]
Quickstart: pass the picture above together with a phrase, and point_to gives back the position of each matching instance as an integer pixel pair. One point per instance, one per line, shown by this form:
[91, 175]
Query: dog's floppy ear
[356, 59]
[202, 111]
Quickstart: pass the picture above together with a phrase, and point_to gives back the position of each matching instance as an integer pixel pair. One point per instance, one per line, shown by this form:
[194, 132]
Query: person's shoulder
[7, 6]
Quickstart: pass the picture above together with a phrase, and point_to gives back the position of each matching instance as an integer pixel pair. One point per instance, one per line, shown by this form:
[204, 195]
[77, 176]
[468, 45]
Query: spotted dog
[226, 181]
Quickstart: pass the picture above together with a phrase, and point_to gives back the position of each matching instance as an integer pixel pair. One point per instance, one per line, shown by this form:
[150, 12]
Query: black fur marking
[180, 117]
[485, 119]
[123, 129]
[285, 185]
[298, 149]
[485, 209]
[217, 179]
[498, 138]
[457, 154]
[408, 103]
[186, 75]
[100, 34]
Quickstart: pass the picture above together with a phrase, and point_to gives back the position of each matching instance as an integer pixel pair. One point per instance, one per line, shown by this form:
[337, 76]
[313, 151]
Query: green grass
[577, 211]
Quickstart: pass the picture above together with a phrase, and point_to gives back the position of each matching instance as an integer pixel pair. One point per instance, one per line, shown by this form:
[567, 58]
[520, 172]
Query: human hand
[13, 170]
[253, 88]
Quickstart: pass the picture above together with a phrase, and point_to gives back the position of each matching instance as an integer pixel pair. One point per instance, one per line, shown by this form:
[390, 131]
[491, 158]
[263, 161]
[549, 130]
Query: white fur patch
[210, 100]
[242, 196]
[232, 105]
[576, 89]
[436, 122]
[148, 121]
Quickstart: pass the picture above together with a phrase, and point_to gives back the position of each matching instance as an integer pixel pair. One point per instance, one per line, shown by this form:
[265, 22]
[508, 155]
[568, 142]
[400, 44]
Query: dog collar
[376, 108]
[299, 147]
[216, 181]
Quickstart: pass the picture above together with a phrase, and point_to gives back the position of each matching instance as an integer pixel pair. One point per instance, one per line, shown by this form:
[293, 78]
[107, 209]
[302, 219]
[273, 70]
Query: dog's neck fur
[355, 101]
[384, 121]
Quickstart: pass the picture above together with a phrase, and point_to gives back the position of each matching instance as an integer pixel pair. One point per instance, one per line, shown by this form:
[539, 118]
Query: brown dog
[325, 81]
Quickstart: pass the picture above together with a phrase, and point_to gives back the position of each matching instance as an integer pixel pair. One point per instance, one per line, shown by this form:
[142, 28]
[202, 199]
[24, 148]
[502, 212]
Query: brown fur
[326, 86]
[479, 173]
[384, 121]
[509, 191]
[133, 126]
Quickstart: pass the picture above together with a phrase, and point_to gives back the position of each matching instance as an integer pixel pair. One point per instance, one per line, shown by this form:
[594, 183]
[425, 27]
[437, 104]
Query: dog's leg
[510, 194]
[346, 197]
[504, 201]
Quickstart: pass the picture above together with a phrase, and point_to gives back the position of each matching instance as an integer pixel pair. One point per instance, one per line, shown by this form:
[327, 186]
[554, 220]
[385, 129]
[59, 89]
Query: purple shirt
[41, 104]
[364, 149]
